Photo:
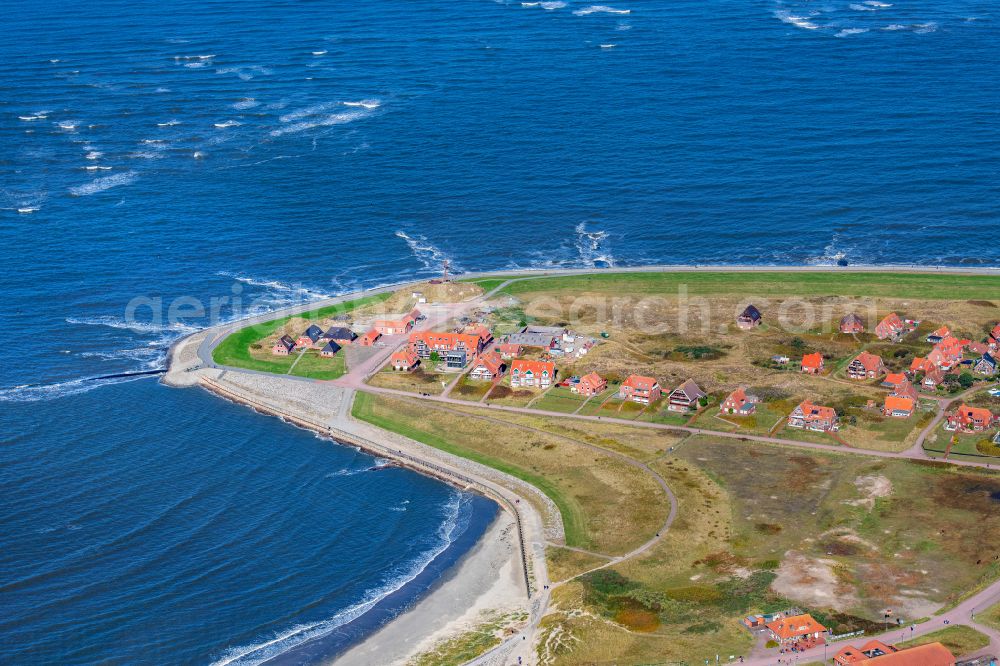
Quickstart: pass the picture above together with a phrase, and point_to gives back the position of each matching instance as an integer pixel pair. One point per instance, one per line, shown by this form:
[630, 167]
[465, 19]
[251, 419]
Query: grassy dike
[234, 351]
[922, 285]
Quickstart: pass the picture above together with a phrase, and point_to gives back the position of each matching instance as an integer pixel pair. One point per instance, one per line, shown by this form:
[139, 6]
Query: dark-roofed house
[310, 337]
[987, 365]
[749, 318]
[852, 323]
[537, 336]
[330, 350]
[685, 397]
[284, 346]
[341, 335]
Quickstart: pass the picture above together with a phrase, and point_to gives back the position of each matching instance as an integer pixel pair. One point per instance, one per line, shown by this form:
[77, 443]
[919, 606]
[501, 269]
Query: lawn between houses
[760, 527]
[237, 350]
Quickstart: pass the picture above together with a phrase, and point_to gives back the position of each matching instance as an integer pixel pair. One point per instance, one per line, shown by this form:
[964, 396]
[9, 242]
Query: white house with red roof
[641, 389]
[533, 374]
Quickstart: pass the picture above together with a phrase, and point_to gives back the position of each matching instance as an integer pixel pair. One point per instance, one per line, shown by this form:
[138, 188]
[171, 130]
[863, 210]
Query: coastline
[482, 583]
[490, 577]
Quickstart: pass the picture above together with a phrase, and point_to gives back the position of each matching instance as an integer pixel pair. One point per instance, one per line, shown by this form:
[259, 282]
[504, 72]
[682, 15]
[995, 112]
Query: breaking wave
[102, 184]
[428, 254]
[600, 9]
[134, 326]
[798, 21]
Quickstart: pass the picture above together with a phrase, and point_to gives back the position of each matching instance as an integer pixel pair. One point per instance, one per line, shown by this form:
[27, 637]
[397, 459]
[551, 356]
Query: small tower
[444, 275]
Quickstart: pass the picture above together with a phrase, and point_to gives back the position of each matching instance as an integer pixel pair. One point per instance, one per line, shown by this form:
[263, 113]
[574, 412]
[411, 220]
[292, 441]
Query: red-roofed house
[538, 374]
[947, 353]
[813, 417]
[892, 327]
[898, 406]
[796, 628]
[932, 379]
[894, 379]
[283, 346]
[938, 335]
[397, 326]
[638, 388]
[866, 366]
[590, 384]
[852, 655]
[812, 363]
[427, 342]
[369, 338]
[738, 403]
[404, 360]
[509, 350]
[930, 654]
[995, 335]
[487, 367]
[968, 418]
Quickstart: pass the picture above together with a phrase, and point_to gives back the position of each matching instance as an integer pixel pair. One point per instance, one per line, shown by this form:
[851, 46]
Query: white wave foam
[366, 103]
[227, 123]
[102, 184]
[245, 73]
[194, 65]
[319, 53]
[169, 123]
[96, 167]
[590, 245]
[195, 57]
[877, 4]
[550, 6]
[134, 326]
[895, 26]
[36, 116]
[284, 290]
[93, 155]
[305, 112]
[36, 393]
[600, 9]
[258, 653]
[145, 155]
[324, 121]
[862, 8]
[428, 254]
[608, 46]
[68, 125]
[847, 32]
[925, 28]
[245, 103]
[797, 21]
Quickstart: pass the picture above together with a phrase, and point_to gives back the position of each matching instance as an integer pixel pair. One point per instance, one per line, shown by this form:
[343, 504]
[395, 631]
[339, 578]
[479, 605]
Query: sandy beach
[484, 584]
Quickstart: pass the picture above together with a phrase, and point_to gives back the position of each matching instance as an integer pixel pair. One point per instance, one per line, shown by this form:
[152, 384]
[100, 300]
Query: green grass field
[606, 505]
[959, 639]
[235, 349]
[803, 284]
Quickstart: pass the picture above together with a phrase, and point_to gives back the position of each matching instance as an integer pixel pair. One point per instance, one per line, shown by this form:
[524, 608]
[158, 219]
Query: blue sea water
[270, 152]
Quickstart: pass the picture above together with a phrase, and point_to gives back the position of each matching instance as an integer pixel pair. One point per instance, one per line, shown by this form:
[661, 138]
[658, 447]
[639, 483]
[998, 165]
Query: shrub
[771, 644]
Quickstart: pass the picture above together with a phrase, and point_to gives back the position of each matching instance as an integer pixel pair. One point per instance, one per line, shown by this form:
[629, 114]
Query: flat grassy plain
[419, 380]
[607, 506]
[958, 638]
